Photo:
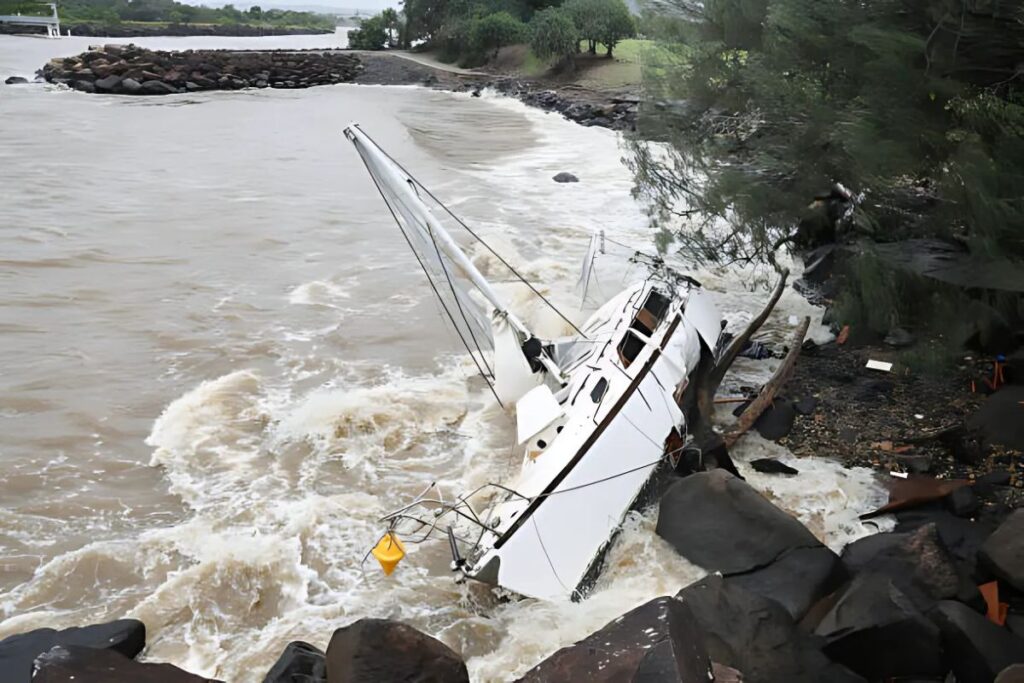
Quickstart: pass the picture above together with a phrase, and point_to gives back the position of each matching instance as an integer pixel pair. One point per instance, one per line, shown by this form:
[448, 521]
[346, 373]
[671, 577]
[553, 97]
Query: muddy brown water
[219, 365]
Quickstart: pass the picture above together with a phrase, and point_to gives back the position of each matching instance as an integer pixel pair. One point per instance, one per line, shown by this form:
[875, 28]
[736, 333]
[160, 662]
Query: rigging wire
[487, 246]
[458, 304]
[476, 362]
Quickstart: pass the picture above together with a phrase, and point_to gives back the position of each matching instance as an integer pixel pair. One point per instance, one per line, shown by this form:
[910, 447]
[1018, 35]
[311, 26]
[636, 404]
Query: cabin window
[645, 322]
[597, 393]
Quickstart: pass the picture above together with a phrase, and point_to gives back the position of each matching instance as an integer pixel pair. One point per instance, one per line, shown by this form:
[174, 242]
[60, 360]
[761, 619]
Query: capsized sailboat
[597, 413]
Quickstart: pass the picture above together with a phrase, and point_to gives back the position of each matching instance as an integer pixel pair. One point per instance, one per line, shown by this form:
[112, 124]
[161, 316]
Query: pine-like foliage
[918, 105]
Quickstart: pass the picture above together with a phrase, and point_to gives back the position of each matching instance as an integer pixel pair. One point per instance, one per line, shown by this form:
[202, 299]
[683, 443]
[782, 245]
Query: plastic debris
[879, 365]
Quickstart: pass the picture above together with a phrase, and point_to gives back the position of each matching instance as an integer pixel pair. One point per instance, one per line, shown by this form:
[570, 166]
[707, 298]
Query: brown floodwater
[219, 365]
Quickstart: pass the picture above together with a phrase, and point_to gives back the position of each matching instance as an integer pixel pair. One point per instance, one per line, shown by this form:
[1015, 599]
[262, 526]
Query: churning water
[219, 364]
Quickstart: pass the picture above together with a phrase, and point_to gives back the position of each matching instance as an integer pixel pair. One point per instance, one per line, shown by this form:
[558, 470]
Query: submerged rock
[299, 663]
[564, 177]
[976, 648]
[15, 80]
[658, 641]
[75, 664]
[126, 637]
[875, 630]
[375, 650]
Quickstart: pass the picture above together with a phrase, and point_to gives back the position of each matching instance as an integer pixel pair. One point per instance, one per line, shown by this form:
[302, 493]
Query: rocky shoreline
[138, 30]
[131, 70]
[942, 595]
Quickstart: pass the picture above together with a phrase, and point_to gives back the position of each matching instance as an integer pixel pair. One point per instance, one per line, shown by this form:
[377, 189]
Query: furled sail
[465, 295]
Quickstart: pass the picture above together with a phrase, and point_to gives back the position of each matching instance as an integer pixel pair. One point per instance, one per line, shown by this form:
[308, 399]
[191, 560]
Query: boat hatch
[644, 322]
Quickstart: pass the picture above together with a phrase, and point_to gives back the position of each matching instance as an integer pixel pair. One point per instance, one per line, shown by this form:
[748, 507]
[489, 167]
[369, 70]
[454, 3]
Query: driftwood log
[771, 388]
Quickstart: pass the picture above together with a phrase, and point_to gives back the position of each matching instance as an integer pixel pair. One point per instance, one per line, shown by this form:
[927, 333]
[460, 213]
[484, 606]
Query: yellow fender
[389, 551]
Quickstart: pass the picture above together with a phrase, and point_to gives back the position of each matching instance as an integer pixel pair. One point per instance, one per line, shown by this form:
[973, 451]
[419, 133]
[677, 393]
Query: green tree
[494, 31]
[554, 35]
[392, 25]
[915, 105]
[371, 35]
[613, 23]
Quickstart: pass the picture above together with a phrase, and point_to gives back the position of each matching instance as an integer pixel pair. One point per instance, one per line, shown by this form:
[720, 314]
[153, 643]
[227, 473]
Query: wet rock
[108, 84]
[157, 88]
[299, 663]
[917, 562]
[915, 463]
[899, 338]
[756, 636]
[998, 420]
[797, 580]
[130, 86]
[125, 636]
[736, 531]
[963, 502]
[807, 405]
[976, 648]
[1003, 551]
[875, 630]
[658, 641]
[373, 650]
[777, 421]
[962, 537]
[565, 177]
[84, 86]
[1011, 674]
[75, 664]
[996, 478]
[15, 80]
[772, 466]
[749, 540]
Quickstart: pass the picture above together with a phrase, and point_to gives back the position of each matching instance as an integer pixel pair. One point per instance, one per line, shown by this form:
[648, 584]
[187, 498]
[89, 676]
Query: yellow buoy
[389, 551]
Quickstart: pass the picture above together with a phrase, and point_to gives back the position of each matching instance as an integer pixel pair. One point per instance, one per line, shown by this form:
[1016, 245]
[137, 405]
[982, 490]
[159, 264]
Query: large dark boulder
[998, 420]
[962, 537]
[797, 580]
[299, 663]
[720, 523]
[15, 80]
[875, 630]
[125, 636]
[917, 562]
[757, 637]
[658, 641]
[1003, 552]
[976, 648]
[379, 650]
[565, 177]
[75, 664]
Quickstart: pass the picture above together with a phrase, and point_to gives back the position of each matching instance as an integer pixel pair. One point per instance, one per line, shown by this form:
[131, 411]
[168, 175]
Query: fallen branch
[764, 399]
[709, 375]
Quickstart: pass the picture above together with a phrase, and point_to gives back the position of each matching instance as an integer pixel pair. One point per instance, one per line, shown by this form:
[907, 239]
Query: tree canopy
[916, 106]
[553, 34]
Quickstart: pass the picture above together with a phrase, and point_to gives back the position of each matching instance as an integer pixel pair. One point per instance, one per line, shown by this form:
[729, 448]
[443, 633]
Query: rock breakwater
[132, 70]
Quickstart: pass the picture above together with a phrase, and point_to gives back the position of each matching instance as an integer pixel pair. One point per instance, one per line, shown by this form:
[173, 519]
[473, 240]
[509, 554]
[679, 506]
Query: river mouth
[221, 366]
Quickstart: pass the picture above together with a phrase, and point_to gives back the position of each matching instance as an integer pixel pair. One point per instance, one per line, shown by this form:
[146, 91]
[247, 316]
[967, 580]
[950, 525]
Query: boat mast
[402, 184]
